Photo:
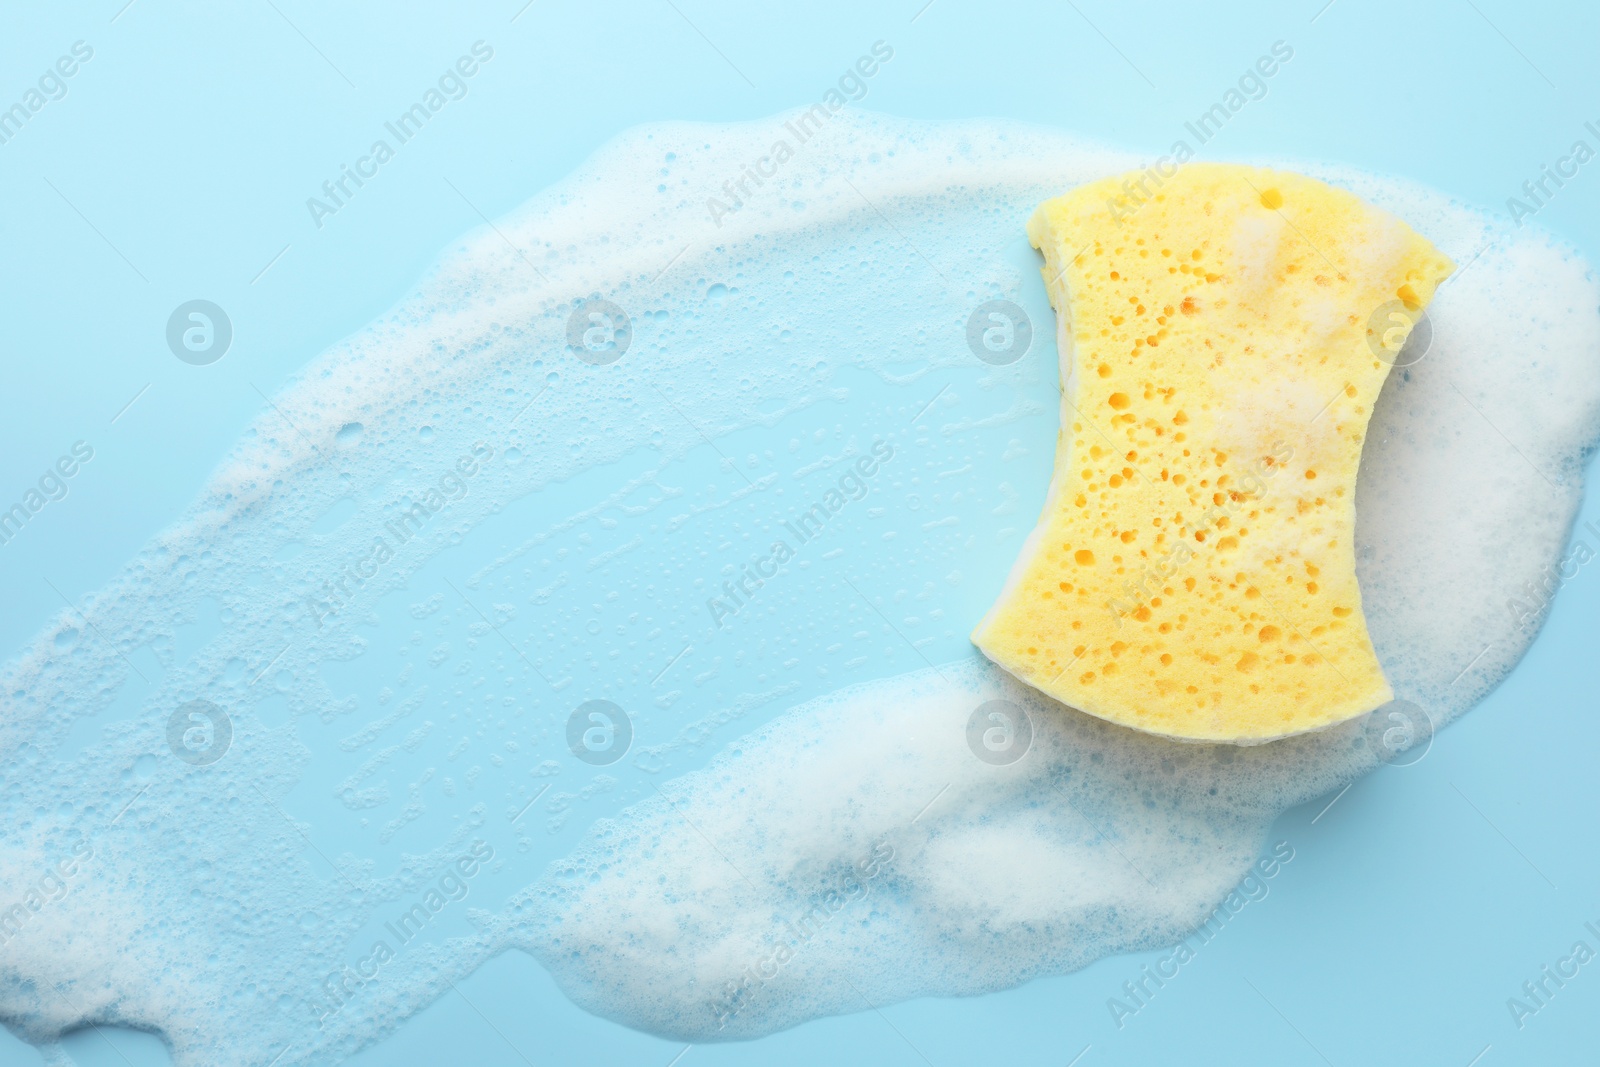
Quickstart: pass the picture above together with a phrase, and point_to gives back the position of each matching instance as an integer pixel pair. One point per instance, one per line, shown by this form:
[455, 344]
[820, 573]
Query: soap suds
[204, 915]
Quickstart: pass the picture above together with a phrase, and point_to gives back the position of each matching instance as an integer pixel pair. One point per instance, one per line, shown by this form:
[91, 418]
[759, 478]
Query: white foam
[676, 916]
[204, 916]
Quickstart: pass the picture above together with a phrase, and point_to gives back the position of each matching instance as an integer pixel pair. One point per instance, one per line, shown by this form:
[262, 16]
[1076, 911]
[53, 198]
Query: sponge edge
[1193, 572]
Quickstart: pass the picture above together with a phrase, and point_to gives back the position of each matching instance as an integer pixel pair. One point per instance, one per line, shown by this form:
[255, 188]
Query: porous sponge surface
[1193, 573]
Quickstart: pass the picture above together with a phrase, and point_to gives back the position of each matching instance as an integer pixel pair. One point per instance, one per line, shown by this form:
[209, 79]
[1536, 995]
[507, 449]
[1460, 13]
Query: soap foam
[203, 915]
[673, 918]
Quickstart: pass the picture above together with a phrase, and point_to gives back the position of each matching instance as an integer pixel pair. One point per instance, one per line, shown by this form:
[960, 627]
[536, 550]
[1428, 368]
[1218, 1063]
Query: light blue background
[193, 137]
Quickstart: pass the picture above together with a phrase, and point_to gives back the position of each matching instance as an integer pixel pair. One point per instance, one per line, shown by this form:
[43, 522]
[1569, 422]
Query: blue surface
[177, 166]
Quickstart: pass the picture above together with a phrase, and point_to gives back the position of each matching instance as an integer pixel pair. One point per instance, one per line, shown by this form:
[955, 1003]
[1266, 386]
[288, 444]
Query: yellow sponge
[1193, 573]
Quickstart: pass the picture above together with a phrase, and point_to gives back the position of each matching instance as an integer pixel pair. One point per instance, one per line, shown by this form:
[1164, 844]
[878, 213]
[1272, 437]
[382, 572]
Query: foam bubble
[204, 915]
